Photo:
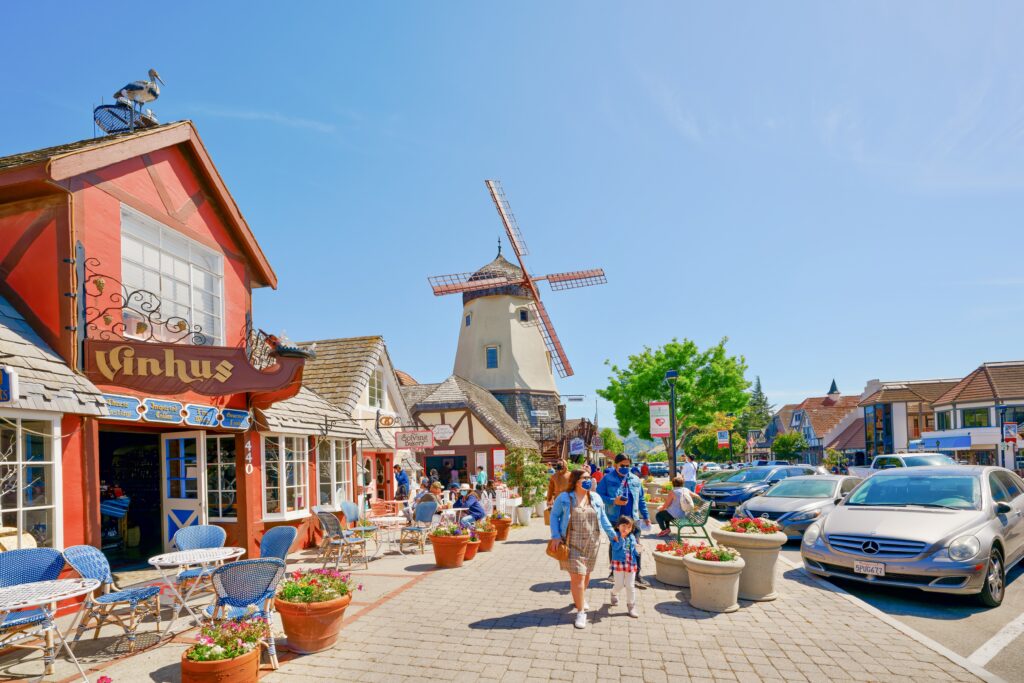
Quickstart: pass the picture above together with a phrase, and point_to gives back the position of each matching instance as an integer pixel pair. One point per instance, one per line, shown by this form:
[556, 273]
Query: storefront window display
[221, 482]
[28, 487]
[284, 476]
[334, 470]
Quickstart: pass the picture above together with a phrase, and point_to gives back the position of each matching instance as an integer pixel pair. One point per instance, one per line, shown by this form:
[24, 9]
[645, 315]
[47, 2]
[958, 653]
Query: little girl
[625, 557]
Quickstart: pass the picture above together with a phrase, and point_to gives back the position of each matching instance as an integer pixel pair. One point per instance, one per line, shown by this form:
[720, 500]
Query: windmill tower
[507, 343]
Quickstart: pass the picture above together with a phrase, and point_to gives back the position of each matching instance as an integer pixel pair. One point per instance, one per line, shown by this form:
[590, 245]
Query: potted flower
[668, 562]
[714, 574]
[312, 605]
[759, 540]
[449, 542]
[527, 473]
[486, 532]
[501, 522]
[225, 652]
[474, 544]
[652, 487]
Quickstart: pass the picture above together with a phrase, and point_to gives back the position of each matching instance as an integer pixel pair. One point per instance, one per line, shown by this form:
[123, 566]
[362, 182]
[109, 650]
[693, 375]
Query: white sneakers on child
[581, 620]
[631, 611]
[615, 600]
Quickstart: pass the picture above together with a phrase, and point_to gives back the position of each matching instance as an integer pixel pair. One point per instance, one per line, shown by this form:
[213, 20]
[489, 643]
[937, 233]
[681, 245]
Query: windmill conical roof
[500, 266]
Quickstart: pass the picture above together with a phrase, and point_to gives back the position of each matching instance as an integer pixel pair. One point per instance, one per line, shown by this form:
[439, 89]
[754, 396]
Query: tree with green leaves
[705, 441]
[757, 414]
[710, 382]
[789, 445]
[833, 458]
[611, 440]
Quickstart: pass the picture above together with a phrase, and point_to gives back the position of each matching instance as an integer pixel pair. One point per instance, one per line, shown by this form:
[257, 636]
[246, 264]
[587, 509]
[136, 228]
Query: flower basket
[242, 669]
[449, 543]
[501, 525]
[714, 584]
[668, 562]
[312, 606]
[759, 543]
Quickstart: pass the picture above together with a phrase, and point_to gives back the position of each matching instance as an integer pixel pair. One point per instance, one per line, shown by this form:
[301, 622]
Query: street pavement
[505, 616]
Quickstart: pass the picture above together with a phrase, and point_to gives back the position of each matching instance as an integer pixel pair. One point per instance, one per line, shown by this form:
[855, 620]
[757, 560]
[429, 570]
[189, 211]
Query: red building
[126, 273]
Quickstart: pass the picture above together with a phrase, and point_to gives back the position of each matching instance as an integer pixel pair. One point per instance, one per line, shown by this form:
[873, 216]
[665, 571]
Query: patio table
[45, 595]
[184, 559]
[389, 524]
[452, 515]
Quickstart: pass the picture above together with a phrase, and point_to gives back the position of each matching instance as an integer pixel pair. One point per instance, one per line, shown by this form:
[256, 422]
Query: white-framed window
[30, 486]
[187, 277]
[795, 421]
[524, 315]
[285, 461]
[491, 353]
[221, 483]
[376, 388]
[334, 472]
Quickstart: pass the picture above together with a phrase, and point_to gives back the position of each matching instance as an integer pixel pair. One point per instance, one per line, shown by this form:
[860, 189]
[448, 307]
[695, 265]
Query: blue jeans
[692, 485]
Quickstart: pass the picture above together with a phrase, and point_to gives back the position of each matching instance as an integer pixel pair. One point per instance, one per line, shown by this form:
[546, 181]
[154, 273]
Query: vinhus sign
[169, 369]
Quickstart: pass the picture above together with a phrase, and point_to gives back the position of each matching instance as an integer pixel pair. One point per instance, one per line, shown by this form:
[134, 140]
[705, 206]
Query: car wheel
[995, 581]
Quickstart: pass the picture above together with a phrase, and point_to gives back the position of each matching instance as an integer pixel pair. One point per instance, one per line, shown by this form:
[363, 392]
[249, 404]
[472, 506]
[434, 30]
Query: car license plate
[869, 568]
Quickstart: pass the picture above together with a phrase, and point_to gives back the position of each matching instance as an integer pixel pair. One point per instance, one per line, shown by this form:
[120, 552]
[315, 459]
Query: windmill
[501, 278]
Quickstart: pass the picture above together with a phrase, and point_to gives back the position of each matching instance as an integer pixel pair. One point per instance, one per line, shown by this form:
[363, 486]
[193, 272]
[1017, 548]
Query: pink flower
[104, 679]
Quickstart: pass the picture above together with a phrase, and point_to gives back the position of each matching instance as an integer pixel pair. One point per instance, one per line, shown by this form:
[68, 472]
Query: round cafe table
[45, 595]
[204, 558]
[389, 525]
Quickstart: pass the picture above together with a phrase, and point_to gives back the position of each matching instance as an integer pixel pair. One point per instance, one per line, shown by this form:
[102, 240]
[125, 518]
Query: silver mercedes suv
[951, 529]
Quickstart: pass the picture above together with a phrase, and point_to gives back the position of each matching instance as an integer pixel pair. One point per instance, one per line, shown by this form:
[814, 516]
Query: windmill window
[524, 315]
[469, 319]
[492, 357]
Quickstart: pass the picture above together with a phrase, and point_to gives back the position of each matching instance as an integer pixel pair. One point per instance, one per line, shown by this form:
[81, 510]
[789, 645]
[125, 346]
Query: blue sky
[836, 187]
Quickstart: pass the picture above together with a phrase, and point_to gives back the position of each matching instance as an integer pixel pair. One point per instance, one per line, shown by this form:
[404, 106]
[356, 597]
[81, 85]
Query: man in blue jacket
[623, 494]
[469, 501]
[401, 483]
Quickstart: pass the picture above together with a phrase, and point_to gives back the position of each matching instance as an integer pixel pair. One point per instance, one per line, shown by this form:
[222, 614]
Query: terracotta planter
[244, 669]
[523, 515]
[487, 540]
[449, 551]
[471, 549]
[502, 526]
[670, 569]
[312, 626]
[760, 553]
[714, 586]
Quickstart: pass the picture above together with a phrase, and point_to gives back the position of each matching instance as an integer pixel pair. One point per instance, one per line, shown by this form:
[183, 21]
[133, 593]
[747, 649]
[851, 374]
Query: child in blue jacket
[625, 559]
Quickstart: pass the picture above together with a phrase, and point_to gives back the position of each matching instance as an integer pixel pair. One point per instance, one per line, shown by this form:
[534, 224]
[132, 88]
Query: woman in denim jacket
[586, 511]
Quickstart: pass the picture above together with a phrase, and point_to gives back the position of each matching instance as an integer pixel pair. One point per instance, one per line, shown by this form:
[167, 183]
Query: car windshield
[803, 488]
[749, 475]
[954, 492]
[926, 460]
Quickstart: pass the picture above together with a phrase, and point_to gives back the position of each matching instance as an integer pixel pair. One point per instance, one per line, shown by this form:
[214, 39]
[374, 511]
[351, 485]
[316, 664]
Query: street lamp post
[671, 376]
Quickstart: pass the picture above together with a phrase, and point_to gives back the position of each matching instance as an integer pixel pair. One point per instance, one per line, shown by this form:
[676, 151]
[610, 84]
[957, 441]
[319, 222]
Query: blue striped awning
[942, 443]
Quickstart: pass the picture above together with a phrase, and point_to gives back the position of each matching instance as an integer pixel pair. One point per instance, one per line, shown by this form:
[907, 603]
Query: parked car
[708, 477]
[767, 463]
[797, 502]
[658, 469]
[951, 529]
[738, 487]
[886, 462]
[710, 466]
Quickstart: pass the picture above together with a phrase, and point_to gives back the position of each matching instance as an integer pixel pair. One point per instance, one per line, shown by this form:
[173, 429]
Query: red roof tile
[989, 382]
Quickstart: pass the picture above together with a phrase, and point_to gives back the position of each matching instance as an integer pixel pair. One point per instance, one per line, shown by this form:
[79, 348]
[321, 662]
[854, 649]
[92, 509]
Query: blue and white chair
[277, 542]
[142, 601]
[245, 589]
[416, 533]
[28, 565]
[340, 543]
[197, 537]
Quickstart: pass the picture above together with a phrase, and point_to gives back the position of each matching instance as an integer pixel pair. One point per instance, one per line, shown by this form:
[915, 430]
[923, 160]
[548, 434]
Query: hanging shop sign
[576, 447]
[8, 384]
[161, 411]
[167, 369]
[660, 426]
[597, 443]
[442, 432]
[414, 439]
[444, 451]
[1010, 432]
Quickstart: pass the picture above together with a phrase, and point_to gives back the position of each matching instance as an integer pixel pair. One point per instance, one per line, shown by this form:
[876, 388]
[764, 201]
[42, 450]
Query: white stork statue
[140, 92]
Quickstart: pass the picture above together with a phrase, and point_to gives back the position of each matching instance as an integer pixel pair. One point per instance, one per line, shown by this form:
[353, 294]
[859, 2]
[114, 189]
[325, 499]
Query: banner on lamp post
[660, 420]
[1010, 432]
[723, 438]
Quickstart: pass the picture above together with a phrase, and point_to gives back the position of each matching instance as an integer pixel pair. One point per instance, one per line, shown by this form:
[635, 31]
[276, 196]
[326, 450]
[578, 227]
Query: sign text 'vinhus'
[169, 369]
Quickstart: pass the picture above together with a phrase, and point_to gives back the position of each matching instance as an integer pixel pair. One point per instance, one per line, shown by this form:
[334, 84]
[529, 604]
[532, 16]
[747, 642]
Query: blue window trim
[487, 355]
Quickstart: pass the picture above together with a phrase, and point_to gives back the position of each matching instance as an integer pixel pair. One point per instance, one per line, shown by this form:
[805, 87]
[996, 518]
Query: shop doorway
[130, 505]
[444, 465]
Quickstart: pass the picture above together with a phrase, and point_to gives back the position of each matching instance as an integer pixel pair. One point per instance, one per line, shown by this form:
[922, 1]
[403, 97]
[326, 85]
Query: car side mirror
[774, 481]
[1003, 508]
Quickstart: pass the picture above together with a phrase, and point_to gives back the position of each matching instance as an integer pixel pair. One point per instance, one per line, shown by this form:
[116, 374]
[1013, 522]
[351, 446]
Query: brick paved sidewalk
[505, 617]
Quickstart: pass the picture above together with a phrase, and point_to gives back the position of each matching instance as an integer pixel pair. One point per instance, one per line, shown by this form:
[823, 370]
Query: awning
[942, 443]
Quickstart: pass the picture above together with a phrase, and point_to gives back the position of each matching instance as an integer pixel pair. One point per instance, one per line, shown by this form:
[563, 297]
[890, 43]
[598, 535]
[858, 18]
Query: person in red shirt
[598, 473]
[645, 471]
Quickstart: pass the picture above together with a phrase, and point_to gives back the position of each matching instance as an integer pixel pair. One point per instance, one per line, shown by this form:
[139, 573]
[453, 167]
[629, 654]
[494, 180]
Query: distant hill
[634, 445]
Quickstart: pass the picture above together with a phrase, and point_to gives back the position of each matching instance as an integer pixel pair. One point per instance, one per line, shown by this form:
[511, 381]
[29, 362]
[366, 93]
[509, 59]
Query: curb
[917, 636]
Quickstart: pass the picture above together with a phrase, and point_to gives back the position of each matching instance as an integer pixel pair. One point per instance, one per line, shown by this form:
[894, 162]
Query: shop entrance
[444, 465]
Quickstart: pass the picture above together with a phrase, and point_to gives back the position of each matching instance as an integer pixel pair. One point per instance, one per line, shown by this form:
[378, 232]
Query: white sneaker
[586, 608]
[581, 620]
[632, 611]
[615, 600]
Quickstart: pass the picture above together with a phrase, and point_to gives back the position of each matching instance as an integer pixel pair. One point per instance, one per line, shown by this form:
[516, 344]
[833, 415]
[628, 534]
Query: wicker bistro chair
[277, 542]
[197, 537]
[90, 563]
[357, 526]
[341, 544]
[245, 589]
[695, 520]
[416, 533]
[27, 565]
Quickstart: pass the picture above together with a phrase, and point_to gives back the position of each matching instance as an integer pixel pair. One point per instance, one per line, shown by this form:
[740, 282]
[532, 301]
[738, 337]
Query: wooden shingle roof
[991, 381]
[310, 414]
[342, 367]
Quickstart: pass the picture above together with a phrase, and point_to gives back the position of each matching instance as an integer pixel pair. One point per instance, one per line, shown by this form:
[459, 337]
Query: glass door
[183, 482]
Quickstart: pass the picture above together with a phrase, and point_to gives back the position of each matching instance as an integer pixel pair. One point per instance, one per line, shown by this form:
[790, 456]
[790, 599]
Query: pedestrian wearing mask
[577, 518]
[623, 494]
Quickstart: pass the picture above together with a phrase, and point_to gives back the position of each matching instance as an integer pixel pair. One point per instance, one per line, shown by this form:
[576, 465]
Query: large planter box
[523, 515]
[670, 569]
[471, 549]
[487, 540]
[760, 553]
[502, 526]
[449, 551]
[714, 586]
[244, 669]
[312, 626]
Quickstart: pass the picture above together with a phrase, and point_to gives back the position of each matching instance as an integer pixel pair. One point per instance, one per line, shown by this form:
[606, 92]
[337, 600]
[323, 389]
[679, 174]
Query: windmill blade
[553, 343]
[508, 219]
[575, 279]
[457, 283]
